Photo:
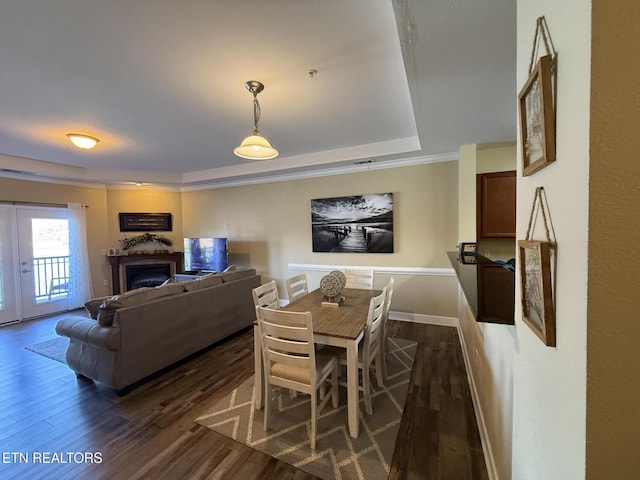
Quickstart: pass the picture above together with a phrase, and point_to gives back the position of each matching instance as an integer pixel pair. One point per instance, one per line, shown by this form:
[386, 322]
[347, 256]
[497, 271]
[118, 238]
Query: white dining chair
[359, 278]
[370, 350]
[384, 337]
[297, 287]
[266, 295]
[290, 361]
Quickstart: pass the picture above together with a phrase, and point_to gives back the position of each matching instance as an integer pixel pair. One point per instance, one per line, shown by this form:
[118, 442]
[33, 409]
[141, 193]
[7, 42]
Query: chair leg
[334, 387]
[384, 348]
[267, 405]
[379, 369]
[314, 413]
[366, 390]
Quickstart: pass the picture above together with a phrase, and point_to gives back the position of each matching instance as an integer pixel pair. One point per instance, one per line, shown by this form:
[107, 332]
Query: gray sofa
[138, 333]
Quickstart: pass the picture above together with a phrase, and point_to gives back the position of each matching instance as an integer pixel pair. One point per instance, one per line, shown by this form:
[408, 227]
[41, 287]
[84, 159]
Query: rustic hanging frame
[536, 278]
[536, 106]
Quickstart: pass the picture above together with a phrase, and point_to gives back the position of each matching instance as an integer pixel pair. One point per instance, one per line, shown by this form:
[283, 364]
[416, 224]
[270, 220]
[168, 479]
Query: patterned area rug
[55, 349]
[337, 455]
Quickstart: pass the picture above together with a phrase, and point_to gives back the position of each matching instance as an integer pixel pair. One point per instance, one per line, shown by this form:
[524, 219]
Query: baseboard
[422, 318]
[482, 426]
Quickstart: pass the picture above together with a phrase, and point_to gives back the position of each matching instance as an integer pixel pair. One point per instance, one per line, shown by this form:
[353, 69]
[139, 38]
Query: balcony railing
[51, 277]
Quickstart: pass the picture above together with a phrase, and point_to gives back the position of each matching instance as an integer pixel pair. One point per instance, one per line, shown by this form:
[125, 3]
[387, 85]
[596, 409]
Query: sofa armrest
[89, 331]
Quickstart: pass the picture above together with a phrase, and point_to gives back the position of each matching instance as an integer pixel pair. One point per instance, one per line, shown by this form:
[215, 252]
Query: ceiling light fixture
[82, 141]
[255, 147]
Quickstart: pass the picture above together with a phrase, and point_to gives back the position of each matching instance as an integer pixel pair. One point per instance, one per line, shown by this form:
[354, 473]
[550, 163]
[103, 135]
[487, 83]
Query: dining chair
[384, 337]
[266, 295]
[370, 350]
[290, 361]
[297, 287]
[359, 278]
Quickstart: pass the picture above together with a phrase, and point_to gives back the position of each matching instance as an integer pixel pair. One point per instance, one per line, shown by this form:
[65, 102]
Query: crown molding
[355, 168]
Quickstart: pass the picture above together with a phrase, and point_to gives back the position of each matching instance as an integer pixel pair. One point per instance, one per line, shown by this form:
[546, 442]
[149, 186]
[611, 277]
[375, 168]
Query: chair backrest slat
[359, 278]
[297, 287]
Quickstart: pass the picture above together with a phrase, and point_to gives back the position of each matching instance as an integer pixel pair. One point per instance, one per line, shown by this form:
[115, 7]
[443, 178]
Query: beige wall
[97, 228]
[269, 227]
[613, 386]
[144, 200]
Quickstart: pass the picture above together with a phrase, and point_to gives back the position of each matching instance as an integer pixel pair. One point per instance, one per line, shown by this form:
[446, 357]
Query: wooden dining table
[342, 327]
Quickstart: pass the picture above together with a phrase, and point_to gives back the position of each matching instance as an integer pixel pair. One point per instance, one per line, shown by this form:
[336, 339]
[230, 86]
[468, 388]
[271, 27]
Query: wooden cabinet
[496, 204]
[496, 294]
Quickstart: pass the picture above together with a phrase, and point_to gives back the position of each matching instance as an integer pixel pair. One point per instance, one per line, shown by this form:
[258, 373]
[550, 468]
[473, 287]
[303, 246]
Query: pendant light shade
[255, 147]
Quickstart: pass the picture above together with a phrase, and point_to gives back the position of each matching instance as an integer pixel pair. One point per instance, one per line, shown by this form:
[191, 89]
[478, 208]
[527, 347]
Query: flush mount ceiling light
[255, 147]
[82, 141]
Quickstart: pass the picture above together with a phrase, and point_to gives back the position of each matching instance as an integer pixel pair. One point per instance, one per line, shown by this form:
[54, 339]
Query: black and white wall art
[355, 224]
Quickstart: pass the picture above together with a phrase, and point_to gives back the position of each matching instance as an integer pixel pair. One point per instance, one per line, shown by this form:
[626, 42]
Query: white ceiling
[161, 84]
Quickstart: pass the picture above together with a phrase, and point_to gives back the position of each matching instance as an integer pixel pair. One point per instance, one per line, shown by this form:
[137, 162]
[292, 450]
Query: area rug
[337, 455]
[55, 349]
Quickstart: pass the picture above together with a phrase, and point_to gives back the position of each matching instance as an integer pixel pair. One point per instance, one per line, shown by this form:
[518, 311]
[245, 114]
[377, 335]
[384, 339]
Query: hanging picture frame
[537, 119]
[537, 290]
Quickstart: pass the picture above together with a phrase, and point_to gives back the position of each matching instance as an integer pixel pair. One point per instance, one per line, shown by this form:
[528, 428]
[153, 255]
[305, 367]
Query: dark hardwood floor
[52, 424]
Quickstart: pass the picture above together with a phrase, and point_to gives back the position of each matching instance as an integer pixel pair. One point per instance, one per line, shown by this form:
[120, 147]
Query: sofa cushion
[93, 305]
[202, 282]
[133, 297]
[238, 274]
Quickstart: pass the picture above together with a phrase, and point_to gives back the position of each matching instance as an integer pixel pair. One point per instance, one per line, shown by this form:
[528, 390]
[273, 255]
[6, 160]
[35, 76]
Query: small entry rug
[337, 455]
[55, 349]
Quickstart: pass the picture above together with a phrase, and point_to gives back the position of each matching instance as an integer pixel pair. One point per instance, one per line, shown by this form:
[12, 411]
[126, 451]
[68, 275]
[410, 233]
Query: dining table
[339, 326]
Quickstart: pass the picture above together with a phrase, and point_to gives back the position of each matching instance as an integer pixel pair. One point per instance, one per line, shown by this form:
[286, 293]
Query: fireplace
[147, 275]
[121, 263]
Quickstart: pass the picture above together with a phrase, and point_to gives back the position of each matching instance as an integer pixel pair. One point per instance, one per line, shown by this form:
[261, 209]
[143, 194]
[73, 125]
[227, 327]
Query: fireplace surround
[119, 263]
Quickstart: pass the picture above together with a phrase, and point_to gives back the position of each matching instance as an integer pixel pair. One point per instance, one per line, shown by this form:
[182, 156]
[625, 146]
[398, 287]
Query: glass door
[43, 260]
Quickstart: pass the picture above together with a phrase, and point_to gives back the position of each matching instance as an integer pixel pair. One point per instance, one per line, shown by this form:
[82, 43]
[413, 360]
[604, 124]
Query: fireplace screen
[152, 275]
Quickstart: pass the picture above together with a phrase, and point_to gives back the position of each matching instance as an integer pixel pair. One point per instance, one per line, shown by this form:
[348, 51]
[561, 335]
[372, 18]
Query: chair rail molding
[438, 272]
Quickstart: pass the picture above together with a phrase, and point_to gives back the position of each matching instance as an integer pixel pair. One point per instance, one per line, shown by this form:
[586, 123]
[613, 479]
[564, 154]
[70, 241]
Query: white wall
[549, 408]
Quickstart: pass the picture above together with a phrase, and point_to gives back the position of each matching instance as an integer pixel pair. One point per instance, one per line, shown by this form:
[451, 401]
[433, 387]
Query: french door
[34, 279]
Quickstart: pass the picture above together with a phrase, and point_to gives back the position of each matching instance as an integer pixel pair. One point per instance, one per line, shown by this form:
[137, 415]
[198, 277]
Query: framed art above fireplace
[145, 222]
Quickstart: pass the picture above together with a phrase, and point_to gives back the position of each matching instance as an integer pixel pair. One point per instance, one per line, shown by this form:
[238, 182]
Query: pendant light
[255, 147]
[82, 141]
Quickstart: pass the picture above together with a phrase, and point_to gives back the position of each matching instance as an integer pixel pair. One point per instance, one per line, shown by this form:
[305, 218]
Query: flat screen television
[205, 254]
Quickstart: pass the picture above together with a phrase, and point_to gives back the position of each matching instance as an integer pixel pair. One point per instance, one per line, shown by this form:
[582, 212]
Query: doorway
[34, 254]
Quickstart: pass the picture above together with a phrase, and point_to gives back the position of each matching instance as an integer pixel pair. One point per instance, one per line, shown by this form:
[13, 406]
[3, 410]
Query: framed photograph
[537, 119]
[145, 222]
[537, 296]
[354, 224]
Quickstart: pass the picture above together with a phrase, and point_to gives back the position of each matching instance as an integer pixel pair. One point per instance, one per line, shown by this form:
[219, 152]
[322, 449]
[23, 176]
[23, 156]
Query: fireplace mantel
[116, 261]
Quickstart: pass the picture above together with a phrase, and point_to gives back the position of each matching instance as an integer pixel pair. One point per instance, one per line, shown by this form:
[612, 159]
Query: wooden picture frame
[537, 119]
[537, 294]
[145, 222]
